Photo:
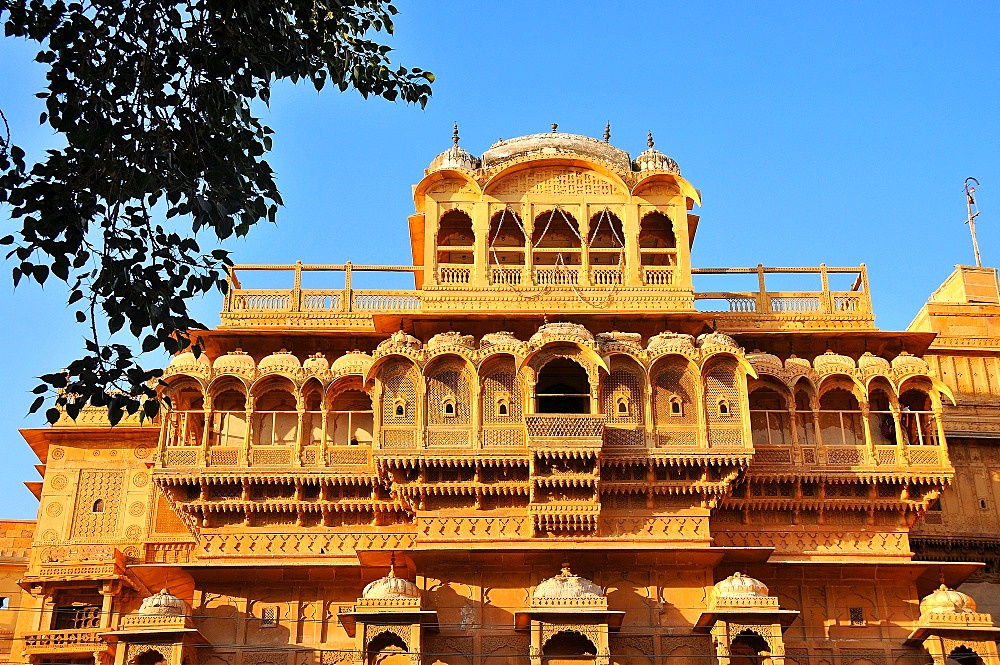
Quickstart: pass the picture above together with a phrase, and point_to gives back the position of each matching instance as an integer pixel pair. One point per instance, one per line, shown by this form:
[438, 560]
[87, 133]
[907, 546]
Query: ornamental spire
[607, 132]
[454, 134]
[649, 139]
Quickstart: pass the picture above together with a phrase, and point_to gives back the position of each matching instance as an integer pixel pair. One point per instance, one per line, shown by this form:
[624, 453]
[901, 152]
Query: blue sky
[838, 133]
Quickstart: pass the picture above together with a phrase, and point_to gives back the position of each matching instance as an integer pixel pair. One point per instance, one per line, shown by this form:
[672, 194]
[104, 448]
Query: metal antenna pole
[970, 203]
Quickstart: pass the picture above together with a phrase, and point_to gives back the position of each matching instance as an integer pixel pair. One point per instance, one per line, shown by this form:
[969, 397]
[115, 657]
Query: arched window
[400, 410]
[448, 408]
[883, 425]
[455, 238]
[229, 415]
[805, 425]
[657, 242]
[676, 406]
[563, 387]
[502, 408]
[606, 249]
[916, 418]
[505, 247]
[568, 643]
[98, 506]
[276, 417]
[186, 417]
[769, 418]
[351, 420]
[622, 409]
[840, 418]
[556, 249]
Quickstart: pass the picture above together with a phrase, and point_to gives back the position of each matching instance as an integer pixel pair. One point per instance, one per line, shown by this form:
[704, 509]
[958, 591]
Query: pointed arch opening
[840, 418]
[455, 248]
[563, 387]
[917, 421]
[505, 245]
[769, 418]
[556, 248]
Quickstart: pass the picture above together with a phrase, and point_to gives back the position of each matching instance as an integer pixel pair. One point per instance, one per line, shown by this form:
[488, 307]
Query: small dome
[554, 144]
[738, 586]
[186, 363]
[316, 364]
[281, 362]
[709, 340]
[235, 362]
[352, 362]
[451, 338]
[830, 363]
[562, 331]
[796, 364]
[947, 601]
[869, 363]
[761, 360]
[454, 157]
[566, 586]
[671, 340]
[502, 338]
[390, 587]
[652, 159]
[163, 603]
[906, 363]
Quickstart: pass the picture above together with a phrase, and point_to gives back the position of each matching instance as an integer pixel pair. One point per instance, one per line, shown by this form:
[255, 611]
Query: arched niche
[398, 379]
[723, 401]
[449, 392]
[623, 400]
[882, 403]
[502, 393]
[674, 382]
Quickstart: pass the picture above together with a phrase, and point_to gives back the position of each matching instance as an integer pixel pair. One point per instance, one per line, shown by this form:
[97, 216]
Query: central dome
[555, 143]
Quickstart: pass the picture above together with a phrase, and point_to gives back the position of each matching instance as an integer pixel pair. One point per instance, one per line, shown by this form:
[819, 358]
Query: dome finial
[454, 134]
[607, 132]
[555, 126]
[565, 569]
[392, 565]
[649, 139]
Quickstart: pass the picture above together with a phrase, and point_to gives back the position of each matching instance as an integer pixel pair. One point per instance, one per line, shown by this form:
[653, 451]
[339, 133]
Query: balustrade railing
[84, 640]
[565, 426]
[658, 275]
[506, 276]
[557, 276]
[386, 301]
[918, 428]
[605, 276]
[454, 274]
[841, 427]
[184, 428]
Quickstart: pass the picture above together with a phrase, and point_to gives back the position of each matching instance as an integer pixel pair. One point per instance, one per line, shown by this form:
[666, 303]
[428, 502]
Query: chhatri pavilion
[550, 450]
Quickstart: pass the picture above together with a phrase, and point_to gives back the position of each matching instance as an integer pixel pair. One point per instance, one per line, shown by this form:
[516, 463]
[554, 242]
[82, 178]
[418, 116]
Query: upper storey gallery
[554, 210]
[550, 222]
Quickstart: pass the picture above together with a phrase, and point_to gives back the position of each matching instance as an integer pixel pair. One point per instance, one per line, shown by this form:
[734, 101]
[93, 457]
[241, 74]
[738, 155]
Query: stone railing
[557, 276]
[454, 274]
[605, 276]
[884, 457]
[854, 304]
[658, 275]
[64, 641]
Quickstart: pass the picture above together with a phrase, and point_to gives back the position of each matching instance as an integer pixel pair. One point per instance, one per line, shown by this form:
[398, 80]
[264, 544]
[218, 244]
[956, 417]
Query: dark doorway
[563, 387]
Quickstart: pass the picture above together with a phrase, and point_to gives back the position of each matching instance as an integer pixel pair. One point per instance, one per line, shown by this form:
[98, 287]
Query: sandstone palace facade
[551, 449]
